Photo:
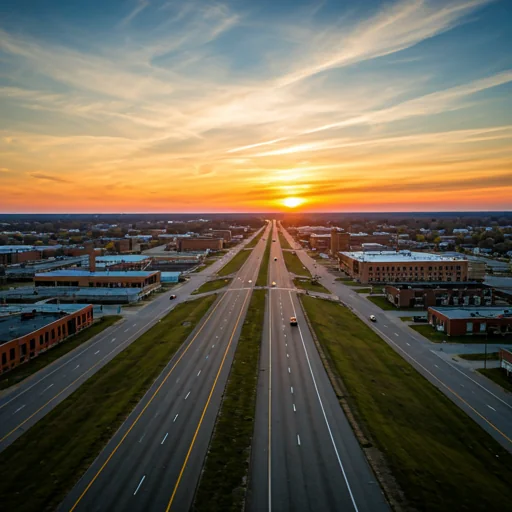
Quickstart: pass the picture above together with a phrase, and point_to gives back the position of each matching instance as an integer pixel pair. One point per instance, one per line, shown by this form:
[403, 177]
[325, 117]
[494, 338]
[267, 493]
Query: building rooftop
[397, 257]
[128, 258]
[475, 312]
[85, 273]
[437, 284]
[12, 326]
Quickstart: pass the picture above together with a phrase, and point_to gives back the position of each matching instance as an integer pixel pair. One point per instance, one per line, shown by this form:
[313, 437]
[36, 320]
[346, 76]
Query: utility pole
[485, 357]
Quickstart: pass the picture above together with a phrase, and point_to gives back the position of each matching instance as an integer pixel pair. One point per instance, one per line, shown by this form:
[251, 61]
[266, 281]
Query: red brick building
[29, 329]
[439, 294]
[471, 321]
[199, 244]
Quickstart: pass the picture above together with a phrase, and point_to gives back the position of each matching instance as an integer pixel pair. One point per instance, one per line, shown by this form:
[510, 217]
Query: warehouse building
[423, 295]
[402, 266]
[225, 234]
[471, 321]
[26, 330]
[199, 244]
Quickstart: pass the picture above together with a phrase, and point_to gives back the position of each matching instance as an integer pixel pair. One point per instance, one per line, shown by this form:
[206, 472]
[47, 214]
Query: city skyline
[154, 106]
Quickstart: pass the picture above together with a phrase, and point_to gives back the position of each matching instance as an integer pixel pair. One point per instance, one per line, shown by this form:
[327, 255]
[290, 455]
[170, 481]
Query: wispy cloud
[47, 177]
[139, 7]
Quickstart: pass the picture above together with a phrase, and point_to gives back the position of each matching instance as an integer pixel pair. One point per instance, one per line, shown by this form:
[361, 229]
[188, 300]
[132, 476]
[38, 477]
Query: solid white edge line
[323, 412]
[163, 440]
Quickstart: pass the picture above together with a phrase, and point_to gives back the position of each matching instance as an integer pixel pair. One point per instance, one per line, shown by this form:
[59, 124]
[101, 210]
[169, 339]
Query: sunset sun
[293, 202]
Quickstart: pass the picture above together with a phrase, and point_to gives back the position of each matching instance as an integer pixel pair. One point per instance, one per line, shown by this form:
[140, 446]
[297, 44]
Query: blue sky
[151, 105]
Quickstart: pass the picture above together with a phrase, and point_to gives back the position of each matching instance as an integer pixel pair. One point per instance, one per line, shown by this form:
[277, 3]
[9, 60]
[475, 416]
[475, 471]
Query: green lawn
[235, 263]
[348, 282]
[263, 272]
[382, 302]
[294, 265]
[206, 263]
[40, 467]
[499, 376]
[363, 290]
[491, 356]
[212, 286]
[440, 457]
[34, 365]
[438, 337]
[224, 480]
[255, 240]
[406, 318]
[284, 241]
[307, 284]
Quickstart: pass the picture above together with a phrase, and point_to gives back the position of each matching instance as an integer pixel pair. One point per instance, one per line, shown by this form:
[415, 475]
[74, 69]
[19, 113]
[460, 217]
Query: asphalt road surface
[155, 459]
[25, 404]
[487, 403]
[305, 456]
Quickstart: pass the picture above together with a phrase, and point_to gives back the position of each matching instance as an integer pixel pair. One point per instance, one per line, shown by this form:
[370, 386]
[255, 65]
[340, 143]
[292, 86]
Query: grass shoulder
[382, 302]
[205, 264]
[235, 263]
[25, 370]
[212, 286]
[40, 467]
[294, 265]
[420, 432]
[284, 242]
[498, 376]
[310, 285]
[223, 482]
[439, 337]
[255, 240]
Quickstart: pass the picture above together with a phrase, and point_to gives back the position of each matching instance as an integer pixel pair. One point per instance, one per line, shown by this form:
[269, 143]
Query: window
[483, 327]
[4, 358]
[32, 344]
[58, 330]
[41, 340]
[12, 354]
[46, 336]
[469, 326]
[53, 334]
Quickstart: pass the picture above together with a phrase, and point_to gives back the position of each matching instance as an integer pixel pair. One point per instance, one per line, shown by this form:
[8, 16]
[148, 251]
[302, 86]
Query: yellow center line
[206, 405]
[145, 407]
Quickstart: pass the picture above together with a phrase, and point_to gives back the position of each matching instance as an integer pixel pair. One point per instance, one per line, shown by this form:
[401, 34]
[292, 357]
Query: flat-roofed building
[340, 241]
[199, 244]
[15, 254]
[320, 242]
[402, 266]
[423, 295]
[225, 234]
[146, 280]
[471, 321]
[26, 330]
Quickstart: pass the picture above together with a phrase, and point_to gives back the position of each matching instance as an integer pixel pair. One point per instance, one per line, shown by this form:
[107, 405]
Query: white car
[274, 283]
[250, 281]
[372, 318]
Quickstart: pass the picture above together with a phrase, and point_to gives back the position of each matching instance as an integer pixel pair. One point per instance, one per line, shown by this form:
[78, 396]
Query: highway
[305, 456]
[487, 403]
[23, 405]
[155, 459]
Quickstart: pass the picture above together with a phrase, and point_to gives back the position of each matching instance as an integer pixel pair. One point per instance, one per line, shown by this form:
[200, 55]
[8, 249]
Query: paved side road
[487, 403]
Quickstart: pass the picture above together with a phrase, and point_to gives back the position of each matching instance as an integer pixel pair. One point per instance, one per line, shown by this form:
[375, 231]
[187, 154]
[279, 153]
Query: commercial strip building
[147, 281]
[423, 295]
[26, 330]
[471, 321]
[402, 266]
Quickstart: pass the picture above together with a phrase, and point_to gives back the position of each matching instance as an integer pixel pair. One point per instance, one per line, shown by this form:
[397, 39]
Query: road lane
[181, 409]
[22, 406]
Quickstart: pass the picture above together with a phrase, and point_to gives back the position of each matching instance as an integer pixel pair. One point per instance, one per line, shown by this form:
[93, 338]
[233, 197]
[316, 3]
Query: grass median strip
[40, 467]
[439, 456]
[263, 273]
[284, 242]
[491, 356]
[294, 265]
[212, 286]
[255, 240]
[224, 479]
[235, 264]
[23, 371]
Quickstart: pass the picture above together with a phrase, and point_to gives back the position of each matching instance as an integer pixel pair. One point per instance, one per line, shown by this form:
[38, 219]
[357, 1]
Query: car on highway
[172, 297]
[250, 281]
[372, 318]
[274, 283]
[275, 259]
[293, 320]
